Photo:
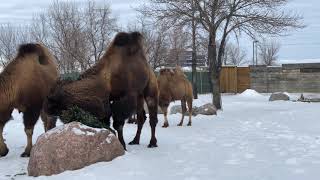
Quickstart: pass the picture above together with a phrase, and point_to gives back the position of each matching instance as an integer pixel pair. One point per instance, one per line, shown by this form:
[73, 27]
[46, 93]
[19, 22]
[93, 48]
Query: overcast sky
[302, 44]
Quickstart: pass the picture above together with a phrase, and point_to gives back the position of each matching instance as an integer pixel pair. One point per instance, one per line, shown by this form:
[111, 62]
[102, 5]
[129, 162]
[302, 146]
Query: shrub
[77, 114]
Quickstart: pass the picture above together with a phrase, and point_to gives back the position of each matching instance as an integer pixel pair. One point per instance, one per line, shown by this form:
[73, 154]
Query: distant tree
[11, 36]
[156, 39]
[78, 35]
[234, 55]
[178, 39]
[268, 52]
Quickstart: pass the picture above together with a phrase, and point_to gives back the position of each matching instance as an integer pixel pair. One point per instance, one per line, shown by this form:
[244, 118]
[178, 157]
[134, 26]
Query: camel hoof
[4, 152]
[134, 142]
[189, 124]
[25, 154]
[152, 145]
[165, 125]
[180, 124]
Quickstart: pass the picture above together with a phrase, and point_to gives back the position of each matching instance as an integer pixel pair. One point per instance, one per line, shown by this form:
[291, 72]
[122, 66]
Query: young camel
[173, 85]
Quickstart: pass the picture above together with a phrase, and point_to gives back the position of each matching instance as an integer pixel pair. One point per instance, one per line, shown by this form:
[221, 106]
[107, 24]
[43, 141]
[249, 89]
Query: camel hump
[33, 48]
[132, 42]
[123, 38]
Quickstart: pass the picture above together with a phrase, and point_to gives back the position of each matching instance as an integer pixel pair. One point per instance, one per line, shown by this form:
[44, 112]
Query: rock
[309, 98]
[175, 109]
[279, 96]
[178, 109]
[207, 109]
[70, 147]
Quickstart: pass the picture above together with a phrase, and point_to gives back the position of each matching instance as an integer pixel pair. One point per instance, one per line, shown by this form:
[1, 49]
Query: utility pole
[253, 53]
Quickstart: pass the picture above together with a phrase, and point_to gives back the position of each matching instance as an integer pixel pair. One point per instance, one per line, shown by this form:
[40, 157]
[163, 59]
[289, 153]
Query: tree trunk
[214, 71]
[216, 95]
[194, 61]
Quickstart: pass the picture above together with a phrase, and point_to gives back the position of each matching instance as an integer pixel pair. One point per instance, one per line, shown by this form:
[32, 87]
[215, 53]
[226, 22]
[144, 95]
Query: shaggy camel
[173, 85]
[125, 79]
[24, 84]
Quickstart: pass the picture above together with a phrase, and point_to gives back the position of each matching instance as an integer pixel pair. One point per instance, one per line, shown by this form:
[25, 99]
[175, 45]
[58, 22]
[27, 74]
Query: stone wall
[288, 77]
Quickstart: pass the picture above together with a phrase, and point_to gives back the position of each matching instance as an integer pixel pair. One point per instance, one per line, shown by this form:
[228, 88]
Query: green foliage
[77, 114]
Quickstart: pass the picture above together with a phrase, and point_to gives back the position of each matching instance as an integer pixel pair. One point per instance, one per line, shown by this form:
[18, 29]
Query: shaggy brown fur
[126, 80]
[174, 85]
[24, 84]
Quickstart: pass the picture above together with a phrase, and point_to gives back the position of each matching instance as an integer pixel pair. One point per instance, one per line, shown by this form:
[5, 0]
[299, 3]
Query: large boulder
[70, 147]
[278, 96]
[207, 109]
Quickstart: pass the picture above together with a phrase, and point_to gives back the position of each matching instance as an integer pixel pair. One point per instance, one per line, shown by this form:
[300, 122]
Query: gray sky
[302, 44]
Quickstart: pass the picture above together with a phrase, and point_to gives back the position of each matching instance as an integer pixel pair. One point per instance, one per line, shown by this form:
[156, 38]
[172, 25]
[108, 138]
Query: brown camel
[125, 79]
[24, 84]
[173, 85]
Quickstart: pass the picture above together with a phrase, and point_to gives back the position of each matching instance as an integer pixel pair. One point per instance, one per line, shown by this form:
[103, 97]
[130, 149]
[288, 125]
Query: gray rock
[70, 147]
[207, 109]
[309, 98]
[176, 109]
[278, 96]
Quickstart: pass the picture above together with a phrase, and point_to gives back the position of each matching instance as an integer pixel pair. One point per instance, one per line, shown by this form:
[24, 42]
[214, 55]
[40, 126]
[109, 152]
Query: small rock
[70, 147]
[175, 109]
[278, 96]
[207, 109]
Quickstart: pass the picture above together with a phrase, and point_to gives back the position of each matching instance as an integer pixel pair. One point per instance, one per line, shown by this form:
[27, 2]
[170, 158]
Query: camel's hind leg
[152, 102]
[189, 103]
[4, 118]
[164, 109]
[184, 109]
[30, 118]
[48, 122]
[141, 118]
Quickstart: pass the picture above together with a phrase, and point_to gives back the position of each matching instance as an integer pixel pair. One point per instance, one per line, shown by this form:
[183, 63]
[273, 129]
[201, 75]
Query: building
[185, 59]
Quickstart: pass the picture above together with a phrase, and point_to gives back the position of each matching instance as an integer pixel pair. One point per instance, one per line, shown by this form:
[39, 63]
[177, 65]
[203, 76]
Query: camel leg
[152, 103]
[4, 118]
[189, 102]
[48, 121]
[118, 126]
[141, 118]
[184, 109]
[30, 118]
[121, 110]
[164, 109]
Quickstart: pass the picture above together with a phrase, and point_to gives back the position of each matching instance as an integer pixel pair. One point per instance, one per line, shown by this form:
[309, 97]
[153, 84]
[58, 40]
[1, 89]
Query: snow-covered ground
[251, 138]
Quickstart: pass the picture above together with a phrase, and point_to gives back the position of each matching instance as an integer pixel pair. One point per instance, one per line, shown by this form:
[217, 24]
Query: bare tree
[100, 26]
[78, 35]
[268, 52]
[234, 55]
[10, 38]
[178, 39]
[220, 18]
[156, 40]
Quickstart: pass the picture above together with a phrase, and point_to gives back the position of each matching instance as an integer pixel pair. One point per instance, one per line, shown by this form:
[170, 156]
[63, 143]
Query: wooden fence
[234, 79]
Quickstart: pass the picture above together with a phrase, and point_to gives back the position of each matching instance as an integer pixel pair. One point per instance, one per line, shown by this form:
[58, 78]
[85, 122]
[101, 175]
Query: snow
[250, 93]
[251, 138]
[78, 131]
